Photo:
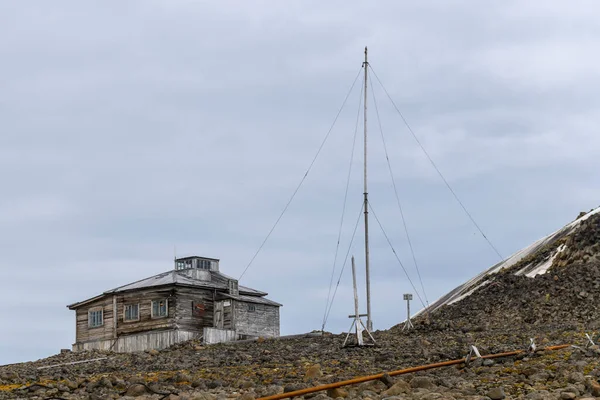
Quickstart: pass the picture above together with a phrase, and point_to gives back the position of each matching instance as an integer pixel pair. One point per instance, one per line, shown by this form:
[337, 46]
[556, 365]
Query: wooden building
[194, 300]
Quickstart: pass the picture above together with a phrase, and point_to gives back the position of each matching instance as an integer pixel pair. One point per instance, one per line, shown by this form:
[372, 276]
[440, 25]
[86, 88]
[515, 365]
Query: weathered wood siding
[144, 300]
[214, 335]
[83, 332]
[145, 323]
[263, 321]
[194, 309]
[139, 342]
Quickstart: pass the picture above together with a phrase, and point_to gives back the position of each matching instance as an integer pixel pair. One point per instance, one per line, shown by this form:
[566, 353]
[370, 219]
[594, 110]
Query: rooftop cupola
[197, 267]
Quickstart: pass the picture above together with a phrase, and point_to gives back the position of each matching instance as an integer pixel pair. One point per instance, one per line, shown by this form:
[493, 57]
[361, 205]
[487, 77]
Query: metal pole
[367, 378]
[366, 205]
[355, 290]
[408, 324]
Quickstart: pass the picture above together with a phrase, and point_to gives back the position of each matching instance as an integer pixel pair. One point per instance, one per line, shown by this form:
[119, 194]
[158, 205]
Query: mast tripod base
[408, 325]
[359, 327]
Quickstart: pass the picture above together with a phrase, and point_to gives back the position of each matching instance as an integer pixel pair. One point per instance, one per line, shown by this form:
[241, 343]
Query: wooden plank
[73, 363]
[158, 339]
[214, 335]
[116, 317]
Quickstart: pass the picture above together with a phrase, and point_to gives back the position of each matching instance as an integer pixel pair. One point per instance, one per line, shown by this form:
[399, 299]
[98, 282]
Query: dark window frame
[125, 307]
[93, 318]
[160, 315]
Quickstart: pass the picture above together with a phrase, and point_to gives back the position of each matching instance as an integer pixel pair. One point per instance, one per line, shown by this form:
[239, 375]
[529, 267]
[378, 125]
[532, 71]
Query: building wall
[146, 322]
[262, 322]
[82, 330]
[189, 310]
[214, 335]
[139, 342]
[194, 309]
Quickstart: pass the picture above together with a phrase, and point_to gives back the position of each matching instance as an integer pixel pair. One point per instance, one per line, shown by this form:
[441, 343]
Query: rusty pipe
[395, 373]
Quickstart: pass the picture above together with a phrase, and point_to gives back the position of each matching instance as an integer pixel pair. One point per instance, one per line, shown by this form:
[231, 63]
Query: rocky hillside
[267, 367]
[562, 294]
[577, 242]
[558, 306]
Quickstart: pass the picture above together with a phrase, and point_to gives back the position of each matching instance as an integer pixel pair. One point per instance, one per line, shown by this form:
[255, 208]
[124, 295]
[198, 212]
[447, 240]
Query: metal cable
[345, 262]
[303, 178]
[437, 169]
[343, 208]
[396, 254]
[412, 252]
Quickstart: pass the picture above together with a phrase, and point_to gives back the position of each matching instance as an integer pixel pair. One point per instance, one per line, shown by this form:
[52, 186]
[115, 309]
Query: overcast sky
[128, 128]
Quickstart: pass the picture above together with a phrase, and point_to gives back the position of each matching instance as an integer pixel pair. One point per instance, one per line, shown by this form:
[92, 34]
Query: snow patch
[470, 292]
[541, 268]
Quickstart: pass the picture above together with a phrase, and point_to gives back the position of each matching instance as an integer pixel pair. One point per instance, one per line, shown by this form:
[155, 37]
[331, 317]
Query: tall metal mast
[366, 205]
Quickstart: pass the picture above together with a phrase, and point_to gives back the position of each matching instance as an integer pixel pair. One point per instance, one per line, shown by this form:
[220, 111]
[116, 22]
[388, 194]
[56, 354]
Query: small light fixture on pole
[408, 324]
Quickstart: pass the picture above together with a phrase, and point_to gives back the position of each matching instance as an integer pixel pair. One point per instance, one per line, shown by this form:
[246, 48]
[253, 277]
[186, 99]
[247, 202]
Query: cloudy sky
[129, 128]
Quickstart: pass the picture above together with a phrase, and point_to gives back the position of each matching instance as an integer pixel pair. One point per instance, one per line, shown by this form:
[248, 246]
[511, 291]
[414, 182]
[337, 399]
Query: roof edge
[84, 302]
[272, 303]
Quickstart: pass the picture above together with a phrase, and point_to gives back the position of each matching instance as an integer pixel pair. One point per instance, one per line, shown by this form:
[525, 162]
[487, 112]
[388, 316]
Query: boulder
[422, 382]
[400, 387]
[313, 372]
[337, 392]
[496, 393]
[136, 390]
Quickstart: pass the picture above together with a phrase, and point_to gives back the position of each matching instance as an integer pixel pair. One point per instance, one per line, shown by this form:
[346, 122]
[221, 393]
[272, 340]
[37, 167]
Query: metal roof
[218, 281]
[198, 257]
[252, 299]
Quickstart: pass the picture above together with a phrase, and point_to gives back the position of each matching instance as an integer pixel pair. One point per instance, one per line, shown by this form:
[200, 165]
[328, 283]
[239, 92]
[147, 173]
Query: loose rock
[496, 393]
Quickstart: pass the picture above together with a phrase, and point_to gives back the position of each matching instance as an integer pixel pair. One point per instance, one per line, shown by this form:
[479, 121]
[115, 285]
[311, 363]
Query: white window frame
[125, 312]
[95, 310]
[166, 308]
[233, 287]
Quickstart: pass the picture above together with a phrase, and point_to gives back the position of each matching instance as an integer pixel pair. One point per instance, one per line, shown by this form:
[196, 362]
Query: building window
[159, 308]
[204, 264]
[251, 308]
[233, 287]
[131, 312]
[95, 318]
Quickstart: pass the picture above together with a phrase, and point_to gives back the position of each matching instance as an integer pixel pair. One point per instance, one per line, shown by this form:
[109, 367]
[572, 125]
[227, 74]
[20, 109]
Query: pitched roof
[250, 299]
[219, 281]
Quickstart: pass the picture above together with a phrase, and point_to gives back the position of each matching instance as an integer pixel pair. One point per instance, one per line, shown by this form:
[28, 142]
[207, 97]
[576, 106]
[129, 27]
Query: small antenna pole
[366, 205]
[175, 255]
[408, 324]
[357, 315]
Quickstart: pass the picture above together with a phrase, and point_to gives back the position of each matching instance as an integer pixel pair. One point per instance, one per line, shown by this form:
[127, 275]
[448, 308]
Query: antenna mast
[366, 205]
